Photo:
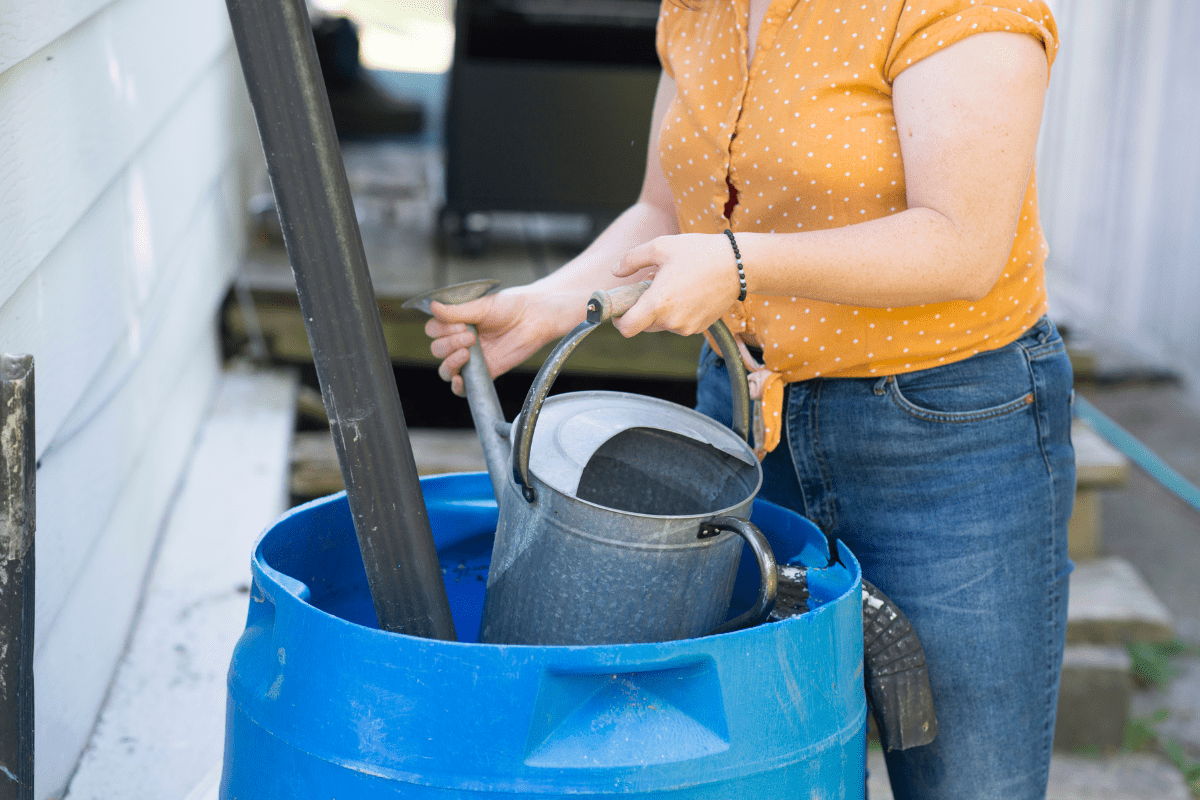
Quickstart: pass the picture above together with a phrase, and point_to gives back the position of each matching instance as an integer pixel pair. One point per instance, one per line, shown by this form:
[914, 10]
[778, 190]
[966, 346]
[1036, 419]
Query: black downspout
[279, 61]
[18, 480]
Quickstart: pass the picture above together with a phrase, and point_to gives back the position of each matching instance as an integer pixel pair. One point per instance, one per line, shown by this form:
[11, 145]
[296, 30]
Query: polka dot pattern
[806, 135]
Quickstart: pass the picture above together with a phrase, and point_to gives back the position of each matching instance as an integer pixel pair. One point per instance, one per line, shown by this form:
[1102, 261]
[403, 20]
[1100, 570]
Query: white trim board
[90, 470]
[26, 27]
[162, 726]
[105, 282]
[74, 115]
[74, 666]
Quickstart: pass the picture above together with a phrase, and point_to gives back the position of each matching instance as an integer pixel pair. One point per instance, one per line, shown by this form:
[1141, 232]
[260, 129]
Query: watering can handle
[602, 306]
[768, 573]
[615, 302]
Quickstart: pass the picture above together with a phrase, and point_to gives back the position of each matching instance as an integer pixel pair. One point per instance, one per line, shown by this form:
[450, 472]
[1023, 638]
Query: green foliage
[1142, 732]
[1184, 763]
[1153, 667]
[1152, 661]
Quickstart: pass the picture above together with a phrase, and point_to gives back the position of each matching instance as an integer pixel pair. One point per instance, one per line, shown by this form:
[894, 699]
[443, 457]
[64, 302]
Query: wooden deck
[397, 193]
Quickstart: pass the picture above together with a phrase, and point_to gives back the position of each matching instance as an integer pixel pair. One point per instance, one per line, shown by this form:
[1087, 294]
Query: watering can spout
[481, 392]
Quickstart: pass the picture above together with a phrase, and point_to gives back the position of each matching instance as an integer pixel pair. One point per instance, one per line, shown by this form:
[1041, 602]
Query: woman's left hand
[695, 283]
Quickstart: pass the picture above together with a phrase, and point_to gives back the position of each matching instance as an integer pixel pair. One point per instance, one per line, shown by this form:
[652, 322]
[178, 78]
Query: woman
[874, 164]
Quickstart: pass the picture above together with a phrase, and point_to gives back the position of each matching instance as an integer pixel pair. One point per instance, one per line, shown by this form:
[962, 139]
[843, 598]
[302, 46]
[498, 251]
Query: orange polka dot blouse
[807, 137]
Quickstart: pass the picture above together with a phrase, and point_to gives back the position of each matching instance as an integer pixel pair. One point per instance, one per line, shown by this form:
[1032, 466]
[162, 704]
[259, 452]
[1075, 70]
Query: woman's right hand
[512, 325]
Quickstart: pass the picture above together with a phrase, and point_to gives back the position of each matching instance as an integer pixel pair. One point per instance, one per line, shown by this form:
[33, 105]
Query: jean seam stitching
[826, 481]
[1043, 350]
[1039, 409]
[706, 363]
[796, 461]
[1050, 708]
[1048, 548]
[952, 417]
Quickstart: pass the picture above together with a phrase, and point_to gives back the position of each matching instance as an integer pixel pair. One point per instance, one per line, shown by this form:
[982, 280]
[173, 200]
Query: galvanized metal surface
[614, 303]
[601, 308]
[600, 537]
[581, 434]
[611, 550]
[561, 576]
[477, 379]
[768, 586]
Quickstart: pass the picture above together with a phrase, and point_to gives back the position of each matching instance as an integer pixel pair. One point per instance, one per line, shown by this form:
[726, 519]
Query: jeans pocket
[985, 386]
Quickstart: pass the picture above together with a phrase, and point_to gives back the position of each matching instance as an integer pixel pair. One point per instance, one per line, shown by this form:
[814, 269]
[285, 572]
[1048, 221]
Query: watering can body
[576, 566]
[622, 517]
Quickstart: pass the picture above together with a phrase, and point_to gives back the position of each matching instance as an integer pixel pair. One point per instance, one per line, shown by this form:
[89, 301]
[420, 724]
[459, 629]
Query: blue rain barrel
[323, 705]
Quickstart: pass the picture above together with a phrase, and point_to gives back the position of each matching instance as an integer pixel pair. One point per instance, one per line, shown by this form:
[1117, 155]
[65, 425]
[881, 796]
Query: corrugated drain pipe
[279, 60]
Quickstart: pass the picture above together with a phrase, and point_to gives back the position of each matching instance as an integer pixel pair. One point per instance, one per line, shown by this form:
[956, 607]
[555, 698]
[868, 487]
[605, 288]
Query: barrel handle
[601, 306]
[768, 575]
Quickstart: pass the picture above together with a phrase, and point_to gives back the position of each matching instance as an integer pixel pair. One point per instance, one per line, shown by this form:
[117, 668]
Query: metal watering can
[622, 517]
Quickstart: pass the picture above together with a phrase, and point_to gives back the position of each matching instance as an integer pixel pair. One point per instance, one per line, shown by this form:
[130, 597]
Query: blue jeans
[953, 487]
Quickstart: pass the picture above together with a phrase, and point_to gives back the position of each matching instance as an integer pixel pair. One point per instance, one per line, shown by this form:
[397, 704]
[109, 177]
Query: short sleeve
[660, 36]
[927, 26]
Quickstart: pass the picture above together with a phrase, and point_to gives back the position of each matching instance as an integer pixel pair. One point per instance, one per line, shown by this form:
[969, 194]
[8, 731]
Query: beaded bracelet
[741, 270]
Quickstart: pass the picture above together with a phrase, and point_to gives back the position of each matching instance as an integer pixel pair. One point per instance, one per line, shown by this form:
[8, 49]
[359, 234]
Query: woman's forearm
[561, 297]
[593, 267]
[571, 285]
[911, 258]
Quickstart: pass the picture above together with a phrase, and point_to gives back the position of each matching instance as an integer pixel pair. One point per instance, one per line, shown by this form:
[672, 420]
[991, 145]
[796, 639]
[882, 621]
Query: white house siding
[1119, 174]
[120, 226]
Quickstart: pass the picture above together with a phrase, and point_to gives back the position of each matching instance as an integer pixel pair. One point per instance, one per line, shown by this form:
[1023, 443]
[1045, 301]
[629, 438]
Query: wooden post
[18, 468]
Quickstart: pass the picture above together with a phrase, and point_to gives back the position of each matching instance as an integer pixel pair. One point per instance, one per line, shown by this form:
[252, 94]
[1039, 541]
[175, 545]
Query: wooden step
[1098, 465]
[315, 471]
[604, 352]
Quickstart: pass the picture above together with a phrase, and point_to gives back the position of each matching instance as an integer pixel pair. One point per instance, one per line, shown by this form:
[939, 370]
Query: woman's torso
[804, 131]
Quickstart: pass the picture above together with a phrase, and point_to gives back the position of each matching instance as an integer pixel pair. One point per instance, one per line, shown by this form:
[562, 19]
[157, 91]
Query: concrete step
[1111, 604]
[1094, 698]
[162, 725]
[1181, 696]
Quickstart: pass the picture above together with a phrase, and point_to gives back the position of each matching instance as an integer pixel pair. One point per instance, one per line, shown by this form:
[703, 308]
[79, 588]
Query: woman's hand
[512, 325]
[695, 283]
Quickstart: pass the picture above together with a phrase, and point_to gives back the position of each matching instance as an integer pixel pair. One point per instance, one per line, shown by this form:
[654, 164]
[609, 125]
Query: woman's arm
[515, 323]
[968, 120]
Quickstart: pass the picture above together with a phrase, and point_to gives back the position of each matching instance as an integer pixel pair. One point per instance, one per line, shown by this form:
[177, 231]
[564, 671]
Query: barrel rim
[635, 650]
